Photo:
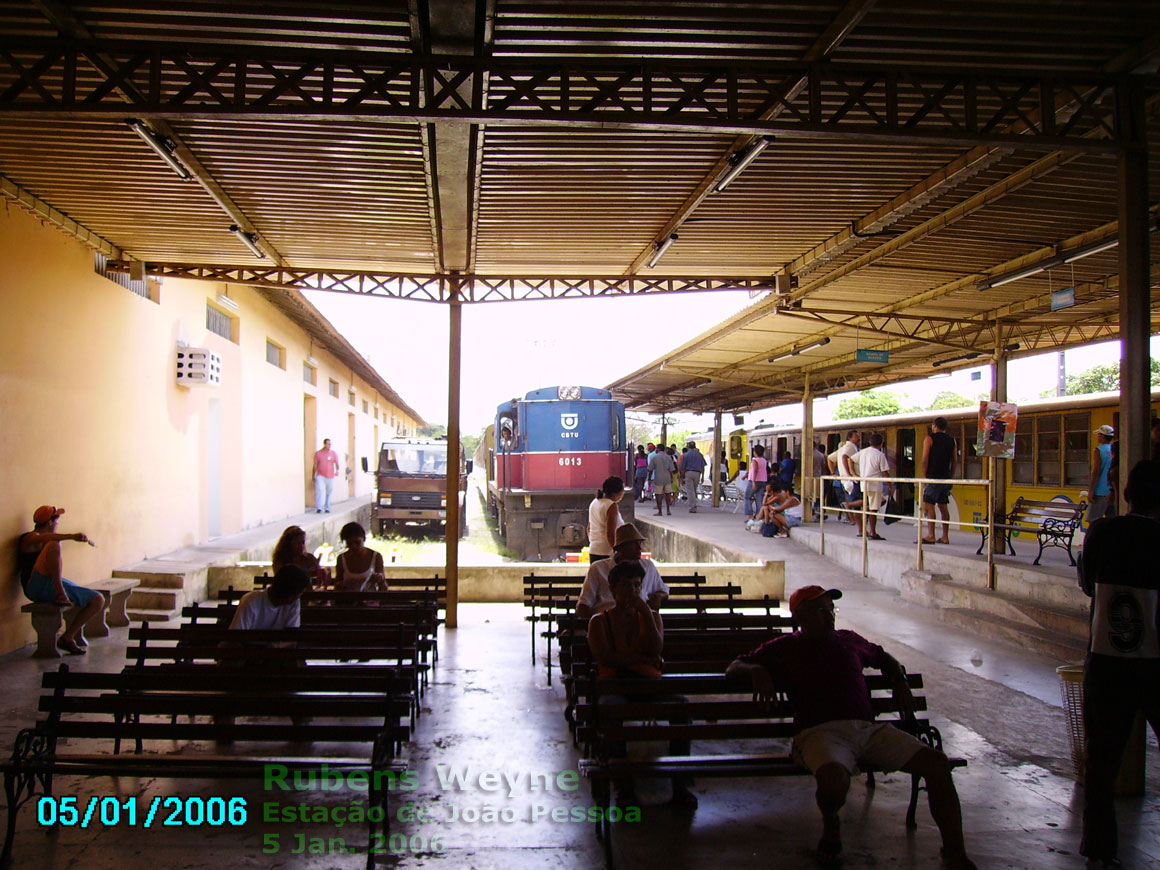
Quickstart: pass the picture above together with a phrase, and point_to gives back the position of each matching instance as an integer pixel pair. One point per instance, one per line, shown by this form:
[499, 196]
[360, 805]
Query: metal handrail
[919, 482]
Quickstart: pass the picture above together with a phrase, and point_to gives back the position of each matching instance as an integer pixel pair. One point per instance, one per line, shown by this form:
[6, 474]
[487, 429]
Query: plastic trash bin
[1131, 778]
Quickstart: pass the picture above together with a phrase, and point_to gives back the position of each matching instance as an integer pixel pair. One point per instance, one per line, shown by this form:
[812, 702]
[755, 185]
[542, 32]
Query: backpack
[768, 529]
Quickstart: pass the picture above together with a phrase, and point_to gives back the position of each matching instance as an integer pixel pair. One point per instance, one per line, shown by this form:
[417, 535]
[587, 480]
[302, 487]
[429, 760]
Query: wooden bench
[715, 710]
[1054, 523]
[215, 644]
[48, 618]
[109, 710]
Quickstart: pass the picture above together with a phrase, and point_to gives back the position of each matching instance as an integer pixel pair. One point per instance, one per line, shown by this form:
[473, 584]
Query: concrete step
[155, 598]
[172, 579]
[141, 614]
[1060, 646]
[941, 591]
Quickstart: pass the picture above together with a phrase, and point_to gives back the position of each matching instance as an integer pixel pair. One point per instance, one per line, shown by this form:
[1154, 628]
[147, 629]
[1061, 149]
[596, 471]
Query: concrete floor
[489, 709]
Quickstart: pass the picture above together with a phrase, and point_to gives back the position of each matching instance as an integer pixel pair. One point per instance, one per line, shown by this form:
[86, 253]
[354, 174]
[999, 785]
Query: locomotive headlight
[568, 393]
[443, 501]
[385, 499]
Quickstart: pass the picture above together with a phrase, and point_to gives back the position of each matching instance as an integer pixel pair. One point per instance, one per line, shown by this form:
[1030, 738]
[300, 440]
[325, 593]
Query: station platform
[489, 708]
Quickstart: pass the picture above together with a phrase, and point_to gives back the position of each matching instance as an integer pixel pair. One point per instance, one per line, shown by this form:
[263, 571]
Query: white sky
[510, 348]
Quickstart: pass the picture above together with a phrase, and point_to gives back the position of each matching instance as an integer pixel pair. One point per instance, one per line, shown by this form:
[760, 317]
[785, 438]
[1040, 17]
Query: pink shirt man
[325, 470]
[326, 461]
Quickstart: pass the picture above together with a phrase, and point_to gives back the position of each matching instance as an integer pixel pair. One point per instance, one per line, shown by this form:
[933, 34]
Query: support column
[715, 459]
[453, 458]
[1135, 313]
[997, 468]
[664, 430]
[806, 459]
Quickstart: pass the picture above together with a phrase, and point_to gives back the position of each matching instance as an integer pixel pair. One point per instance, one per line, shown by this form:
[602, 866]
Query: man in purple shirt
[820, 670]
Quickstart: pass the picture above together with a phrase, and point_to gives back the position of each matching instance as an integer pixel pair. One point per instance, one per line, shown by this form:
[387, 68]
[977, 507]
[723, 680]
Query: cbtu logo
[569, 421]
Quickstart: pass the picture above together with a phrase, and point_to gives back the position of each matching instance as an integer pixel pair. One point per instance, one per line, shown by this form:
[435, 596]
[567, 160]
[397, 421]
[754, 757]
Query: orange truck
[412, 484]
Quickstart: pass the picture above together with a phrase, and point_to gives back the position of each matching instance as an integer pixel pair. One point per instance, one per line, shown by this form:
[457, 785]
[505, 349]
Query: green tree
[437, 431]
[1106, 378]
[470, 442]
[946, 399]
[872, 403]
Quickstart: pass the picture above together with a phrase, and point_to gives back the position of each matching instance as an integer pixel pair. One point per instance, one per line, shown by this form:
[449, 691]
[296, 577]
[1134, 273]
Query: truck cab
[412, 484]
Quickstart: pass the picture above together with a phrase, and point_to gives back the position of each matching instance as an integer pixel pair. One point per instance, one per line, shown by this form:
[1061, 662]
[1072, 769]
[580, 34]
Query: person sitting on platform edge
[626, 642]
[41, 577]
[595, 594]
[820, 670]
[1122, 670]
[785, 509]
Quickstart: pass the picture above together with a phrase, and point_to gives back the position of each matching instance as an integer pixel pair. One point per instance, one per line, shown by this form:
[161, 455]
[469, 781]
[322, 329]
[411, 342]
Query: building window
[334, 388]
[350, 393]
[275, 354]
[366, 407]
[309, 374]
[220, 323]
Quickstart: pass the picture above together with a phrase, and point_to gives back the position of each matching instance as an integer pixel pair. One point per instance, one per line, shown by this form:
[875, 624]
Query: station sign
[872, 356]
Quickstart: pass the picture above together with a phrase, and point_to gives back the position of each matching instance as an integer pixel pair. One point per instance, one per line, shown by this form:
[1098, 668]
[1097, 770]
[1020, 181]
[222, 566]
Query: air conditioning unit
[198, 367]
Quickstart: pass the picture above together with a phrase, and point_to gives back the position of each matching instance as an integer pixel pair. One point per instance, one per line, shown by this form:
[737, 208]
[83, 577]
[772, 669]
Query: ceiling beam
[64, 20]
[60, 220]
[891, 105]
[822, 48]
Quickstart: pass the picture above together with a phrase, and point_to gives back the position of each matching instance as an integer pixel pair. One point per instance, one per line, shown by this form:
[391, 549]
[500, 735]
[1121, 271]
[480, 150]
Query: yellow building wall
[92, 419]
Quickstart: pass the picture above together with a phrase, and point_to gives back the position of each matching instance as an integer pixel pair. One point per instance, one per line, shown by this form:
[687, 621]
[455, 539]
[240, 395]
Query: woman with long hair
[291, 550]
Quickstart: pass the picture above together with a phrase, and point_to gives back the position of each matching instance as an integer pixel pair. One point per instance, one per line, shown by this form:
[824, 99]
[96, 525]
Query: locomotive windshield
[413, 458]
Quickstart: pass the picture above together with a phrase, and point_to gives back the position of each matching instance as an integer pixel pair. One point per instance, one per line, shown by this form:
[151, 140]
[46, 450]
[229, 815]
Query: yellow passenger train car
[735, 444]
[1054, 439]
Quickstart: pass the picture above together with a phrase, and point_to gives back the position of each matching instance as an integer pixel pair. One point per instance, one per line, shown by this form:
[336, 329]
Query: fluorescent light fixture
[250, 240]
[659, 250]
[1018, 274]
[955, 359]
[227, 303]
[822, 342]
[740, 161]
[162, 145]
[1088, 250]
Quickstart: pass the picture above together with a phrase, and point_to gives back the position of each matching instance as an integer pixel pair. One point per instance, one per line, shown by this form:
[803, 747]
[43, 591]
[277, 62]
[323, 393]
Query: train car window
[1076, 446]
[907, 459]
[781, 445]
[971, 466]
[833, 442]
[614, 434]
[735, 447]
[1023, 465]
[1049, 456]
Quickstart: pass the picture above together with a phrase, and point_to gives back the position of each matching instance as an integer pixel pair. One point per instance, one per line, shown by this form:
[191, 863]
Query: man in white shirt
[275, 607]
[596, 595]
[872, 462]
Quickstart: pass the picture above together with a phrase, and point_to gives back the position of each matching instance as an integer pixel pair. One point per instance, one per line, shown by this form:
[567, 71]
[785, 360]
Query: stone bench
[47, 619]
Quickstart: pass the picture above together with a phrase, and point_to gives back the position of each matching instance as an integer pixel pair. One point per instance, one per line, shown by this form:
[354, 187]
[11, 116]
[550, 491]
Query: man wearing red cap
[41, 576]
[820, 670]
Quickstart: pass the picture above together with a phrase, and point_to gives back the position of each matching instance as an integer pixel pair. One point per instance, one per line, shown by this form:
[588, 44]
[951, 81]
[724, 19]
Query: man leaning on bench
[820, 669]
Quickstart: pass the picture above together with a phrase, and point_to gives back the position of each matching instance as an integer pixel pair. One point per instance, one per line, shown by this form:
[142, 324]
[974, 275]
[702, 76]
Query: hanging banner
[997, 421]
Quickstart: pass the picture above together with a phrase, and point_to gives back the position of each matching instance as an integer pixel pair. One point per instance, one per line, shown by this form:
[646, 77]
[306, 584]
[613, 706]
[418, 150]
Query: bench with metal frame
[1054, 524]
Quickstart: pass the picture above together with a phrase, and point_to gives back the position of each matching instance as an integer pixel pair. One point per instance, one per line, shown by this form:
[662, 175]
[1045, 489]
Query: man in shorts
[820, 670]
[939, 453]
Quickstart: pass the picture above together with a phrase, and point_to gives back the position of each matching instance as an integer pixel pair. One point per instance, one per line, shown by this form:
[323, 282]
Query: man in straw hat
[596, 596]
[820, 670]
